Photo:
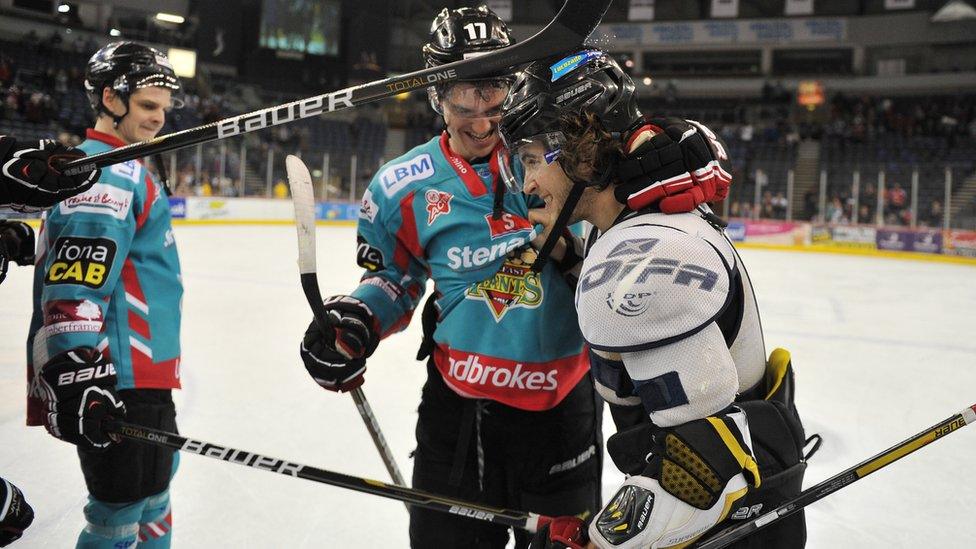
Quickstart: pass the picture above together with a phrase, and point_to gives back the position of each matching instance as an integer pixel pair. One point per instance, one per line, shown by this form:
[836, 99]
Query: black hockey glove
[78, 387]
[16, 244]
[561, 533]
[681, 167]
[15, 514]
[336, 357]
[30, 182]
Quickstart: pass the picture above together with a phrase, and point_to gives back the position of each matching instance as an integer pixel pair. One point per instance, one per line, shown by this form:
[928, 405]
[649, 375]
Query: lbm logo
[398, 176]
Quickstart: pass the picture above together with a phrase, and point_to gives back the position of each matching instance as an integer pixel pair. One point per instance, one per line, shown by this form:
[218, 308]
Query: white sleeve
[686, 380]
[652, 293]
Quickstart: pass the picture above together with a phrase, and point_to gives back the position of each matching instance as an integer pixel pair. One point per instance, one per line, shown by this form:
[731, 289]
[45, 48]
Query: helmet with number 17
[464, 33]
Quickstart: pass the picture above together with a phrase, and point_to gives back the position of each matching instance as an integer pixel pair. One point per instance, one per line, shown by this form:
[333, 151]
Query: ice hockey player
[29, 182]
[15, 514]
[707, 430]
[104, 336]
[508, 416]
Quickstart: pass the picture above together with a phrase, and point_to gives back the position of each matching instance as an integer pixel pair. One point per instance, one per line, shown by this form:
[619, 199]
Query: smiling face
[545, 178]
[146, 113]
[471, 113]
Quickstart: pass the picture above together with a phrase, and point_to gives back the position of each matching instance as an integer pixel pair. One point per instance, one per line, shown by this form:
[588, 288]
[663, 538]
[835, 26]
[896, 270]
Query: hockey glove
[689, 482]
[78, 388]
[30, 180]
[336, 356]
[681, 167]
[15, 514]
[560, 533]
[16, 244]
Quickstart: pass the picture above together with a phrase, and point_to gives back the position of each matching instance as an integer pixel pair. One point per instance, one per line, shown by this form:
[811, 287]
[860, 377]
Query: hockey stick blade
[418, 498]
[571, 26]
[842, 479]
[300, 182]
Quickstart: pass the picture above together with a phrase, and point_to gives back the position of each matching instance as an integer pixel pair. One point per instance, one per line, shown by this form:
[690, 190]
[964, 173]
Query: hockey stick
[574, 22]
[516, 519]
[300, 182]
[842, 479]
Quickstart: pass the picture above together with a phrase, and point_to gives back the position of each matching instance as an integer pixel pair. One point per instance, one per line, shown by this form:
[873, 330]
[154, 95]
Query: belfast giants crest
[513, 286]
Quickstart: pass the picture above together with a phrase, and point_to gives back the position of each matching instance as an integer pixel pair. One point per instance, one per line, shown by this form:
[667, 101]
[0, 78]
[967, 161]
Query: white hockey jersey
[669, 314]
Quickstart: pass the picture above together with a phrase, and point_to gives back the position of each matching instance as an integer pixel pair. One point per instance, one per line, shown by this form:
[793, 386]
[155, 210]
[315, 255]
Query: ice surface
[883, 349]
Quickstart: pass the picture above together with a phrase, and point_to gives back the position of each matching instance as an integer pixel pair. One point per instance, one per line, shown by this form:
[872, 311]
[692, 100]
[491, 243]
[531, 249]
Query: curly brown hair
[589, 149]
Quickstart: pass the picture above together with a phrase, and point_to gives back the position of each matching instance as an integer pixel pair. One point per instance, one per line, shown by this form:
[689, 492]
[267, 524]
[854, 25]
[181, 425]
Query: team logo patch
[514, 285]
[630, 303]
[507, 224]
[368, 208]
[99, 199]
[632, 246]
[367, 256]
[438, 204]
[84, 261]
[397, 176]
[63, 316]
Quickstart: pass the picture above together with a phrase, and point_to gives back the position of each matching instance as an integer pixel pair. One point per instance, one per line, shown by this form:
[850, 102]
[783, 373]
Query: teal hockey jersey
[107, 275]
[503, 332]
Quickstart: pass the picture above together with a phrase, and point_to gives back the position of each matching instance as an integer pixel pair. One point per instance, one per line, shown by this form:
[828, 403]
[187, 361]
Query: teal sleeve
[82, 267]
[389, 249]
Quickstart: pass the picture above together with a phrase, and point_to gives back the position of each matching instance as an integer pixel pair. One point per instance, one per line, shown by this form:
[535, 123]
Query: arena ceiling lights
[170, 18]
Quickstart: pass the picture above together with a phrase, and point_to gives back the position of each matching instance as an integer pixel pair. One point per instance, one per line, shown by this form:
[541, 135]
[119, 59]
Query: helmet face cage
[524, 157]
[472, 102]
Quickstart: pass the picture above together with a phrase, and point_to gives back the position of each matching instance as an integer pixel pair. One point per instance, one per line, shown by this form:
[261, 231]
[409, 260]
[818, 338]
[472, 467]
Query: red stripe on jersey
[139, 325]
[408, 243]
[476, 186]
[148, 204]
[146, 374]
[400, 324]
[156, 375]
[130, 280]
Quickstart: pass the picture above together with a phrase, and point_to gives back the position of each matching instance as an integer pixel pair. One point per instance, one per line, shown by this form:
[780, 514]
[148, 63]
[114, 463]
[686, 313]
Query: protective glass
[525, 157]
[482, 99]
[156, 79]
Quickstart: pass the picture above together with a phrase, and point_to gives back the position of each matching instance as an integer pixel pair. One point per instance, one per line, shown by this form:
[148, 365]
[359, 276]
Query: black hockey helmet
[460, 34]
[587, 81]
[125, 67]
[546, 90]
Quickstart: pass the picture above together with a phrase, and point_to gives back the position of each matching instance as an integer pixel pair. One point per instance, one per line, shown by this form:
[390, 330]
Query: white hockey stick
[302, 196]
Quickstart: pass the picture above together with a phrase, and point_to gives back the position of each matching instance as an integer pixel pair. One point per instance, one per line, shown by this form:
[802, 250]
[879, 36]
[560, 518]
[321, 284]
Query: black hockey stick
[574, 22]
[516, 519]
[842, 479]
[300, 182]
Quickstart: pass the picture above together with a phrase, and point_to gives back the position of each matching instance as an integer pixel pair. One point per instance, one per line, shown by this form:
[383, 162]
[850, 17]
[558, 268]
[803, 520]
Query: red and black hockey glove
[336, 356]
[16, 244]
[15, 514]
[683, 165]
[78, 388]
[30, 179]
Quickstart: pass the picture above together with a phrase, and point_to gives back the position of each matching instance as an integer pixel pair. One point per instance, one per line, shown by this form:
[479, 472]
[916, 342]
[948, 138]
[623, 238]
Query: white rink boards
[883, 349]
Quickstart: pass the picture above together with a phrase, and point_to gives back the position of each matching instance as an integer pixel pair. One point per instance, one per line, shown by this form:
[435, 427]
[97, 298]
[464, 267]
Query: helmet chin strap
[116, 119]
[554, 235]
[163, 177]
[562, 220]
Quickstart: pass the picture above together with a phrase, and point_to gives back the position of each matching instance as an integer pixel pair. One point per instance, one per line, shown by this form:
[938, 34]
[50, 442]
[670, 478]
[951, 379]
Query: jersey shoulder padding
[652, 280]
